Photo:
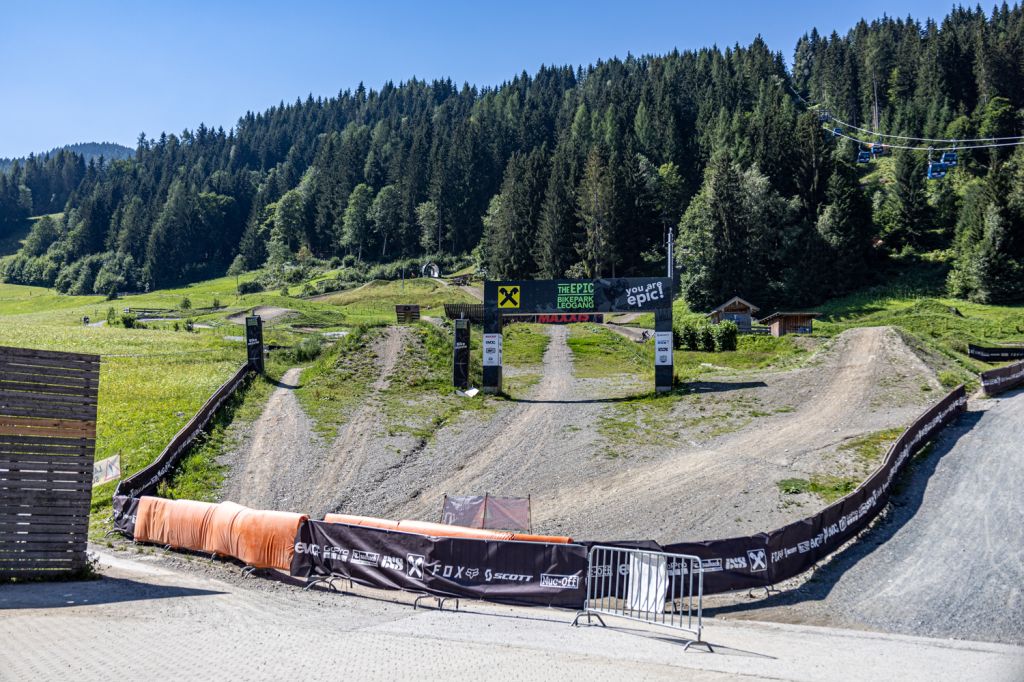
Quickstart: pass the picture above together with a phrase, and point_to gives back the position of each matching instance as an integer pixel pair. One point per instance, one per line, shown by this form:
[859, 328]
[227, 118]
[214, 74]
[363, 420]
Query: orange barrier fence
[263, 539]
[443, 530]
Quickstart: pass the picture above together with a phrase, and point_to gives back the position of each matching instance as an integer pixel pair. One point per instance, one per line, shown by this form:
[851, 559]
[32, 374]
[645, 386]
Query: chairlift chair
[863, 156]
[936, 170]
[877, 149]
[949, 158]
[836, 132]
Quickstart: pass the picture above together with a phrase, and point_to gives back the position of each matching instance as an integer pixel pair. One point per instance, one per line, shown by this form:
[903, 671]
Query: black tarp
[534, 573]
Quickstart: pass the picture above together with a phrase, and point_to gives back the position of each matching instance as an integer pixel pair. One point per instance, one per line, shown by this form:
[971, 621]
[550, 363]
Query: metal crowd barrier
[650, 587]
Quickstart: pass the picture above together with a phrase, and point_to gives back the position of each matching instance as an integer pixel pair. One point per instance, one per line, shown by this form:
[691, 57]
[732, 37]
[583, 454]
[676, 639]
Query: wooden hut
[781, 324]
[736, 309]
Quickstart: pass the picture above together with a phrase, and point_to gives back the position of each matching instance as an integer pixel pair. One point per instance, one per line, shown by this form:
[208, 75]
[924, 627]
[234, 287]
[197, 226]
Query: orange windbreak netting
[178, 523]
[264, 539]
[442, 530]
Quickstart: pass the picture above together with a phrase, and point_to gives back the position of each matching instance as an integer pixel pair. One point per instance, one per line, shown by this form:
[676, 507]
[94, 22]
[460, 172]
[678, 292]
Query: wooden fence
[47, 442]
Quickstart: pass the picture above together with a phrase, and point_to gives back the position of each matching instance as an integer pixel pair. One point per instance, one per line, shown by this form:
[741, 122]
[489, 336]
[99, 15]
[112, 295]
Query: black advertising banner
[532, 573]
[770, 558]
[622, 294]
[995, 354]
[1003, 379]
[125, 509]
[460, 355]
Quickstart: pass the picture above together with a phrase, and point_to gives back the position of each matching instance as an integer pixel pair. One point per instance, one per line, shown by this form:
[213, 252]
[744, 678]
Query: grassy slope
[374, 302]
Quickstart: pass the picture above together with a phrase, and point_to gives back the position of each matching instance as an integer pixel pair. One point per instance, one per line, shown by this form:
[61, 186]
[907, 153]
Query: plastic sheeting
[264, 539]
[442, 530]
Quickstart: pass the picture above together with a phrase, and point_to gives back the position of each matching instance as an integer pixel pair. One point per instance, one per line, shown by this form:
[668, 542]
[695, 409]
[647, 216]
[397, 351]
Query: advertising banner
[515, 572]
[621, 294]
[770, 558]
[995, 354]
[1002, 379]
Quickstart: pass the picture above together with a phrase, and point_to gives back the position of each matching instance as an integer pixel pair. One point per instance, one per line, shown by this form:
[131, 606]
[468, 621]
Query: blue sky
[80, 71]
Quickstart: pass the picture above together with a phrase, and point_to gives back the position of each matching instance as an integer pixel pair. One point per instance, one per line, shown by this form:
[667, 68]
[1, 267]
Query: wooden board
[48, 403]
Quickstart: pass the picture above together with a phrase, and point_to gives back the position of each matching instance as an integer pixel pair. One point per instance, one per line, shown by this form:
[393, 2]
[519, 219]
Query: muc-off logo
[560, 582]
[393, 563]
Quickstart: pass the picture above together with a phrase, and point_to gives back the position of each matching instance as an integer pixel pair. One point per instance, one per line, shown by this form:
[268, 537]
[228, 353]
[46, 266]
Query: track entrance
[575, 296]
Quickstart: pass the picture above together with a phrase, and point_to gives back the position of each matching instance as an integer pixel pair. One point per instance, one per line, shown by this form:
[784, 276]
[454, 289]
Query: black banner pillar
[254, 342]
[492, 339]
[460, 361]
[663, 360]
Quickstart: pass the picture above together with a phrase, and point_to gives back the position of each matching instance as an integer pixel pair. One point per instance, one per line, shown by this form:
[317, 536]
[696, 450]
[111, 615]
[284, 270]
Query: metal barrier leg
[590, 616]
[699, 642]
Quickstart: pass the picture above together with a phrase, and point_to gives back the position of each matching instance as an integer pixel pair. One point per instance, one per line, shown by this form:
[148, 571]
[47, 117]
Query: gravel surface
[268, 313]
[595, 466]
[156, 616]
[948, 559]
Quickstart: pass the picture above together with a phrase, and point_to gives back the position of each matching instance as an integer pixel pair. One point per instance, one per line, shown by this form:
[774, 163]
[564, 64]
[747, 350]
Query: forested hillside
[582, 172]
[89, 151]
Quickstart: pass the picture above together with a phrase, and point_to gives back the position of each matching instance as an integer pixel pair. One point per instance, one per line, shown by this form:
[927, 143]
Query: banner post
[460, 361]
[254, 342]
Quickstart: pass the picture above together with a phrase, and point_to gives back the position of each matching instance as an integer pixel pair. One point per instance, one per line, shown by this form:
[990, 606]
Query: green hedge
[702, 336]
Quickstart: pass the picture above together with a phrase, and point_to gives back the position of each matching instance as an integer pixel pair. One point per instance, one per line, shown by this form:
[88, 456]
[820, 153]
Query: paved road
[949, 559]
[150, 619]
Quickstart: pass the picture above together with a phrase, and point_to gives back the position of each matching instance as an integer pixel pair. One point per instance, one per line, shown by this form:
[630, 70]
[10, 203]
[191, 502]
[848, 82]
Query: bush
[111, 315]
[186, 303]
[189, 325]
[725, 334]
[307, 349]
[129, 321]
[705, 338]
[253, 287]
[216, 303]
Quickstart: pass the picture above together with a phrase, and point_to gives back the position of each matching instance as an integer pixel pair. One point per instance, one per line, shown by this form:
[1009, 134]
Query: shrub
[216, 303]
[111, 315]
[307, 349]
[186, 304]
[129, 321]
[725, 334]
[705, 338]
[253, 287]
[189, 325]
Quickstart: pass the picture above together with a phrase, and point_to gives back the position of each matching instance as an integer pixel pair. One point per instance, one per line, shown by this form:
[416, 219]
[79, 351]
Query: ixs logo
[561, 582]
[393, 563]
[415, 563]
[735, 563]
[365, 558]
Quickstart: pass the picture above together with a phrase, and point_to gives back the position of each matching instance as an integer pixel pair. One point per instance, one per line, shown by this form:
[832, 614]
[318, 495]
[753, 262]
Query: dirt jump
[268, 313]
[706, 465]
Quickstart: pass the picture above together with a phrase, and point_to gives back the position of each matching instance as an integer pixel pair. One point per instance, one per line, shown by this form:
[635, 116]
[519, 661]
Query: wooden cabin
[781, 324]
[736, 309]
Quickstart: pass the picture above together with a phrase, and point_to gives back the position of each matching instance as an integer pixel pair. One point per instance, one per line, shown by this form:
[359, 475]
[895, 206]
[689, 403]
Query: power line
[868, 143]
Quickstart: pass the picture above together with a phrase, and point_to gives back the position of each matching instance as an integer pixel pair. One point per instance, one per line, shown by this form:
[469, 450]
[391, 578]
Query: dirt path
[281, 448]
[693, 493]
[589, 483]
[268, 313]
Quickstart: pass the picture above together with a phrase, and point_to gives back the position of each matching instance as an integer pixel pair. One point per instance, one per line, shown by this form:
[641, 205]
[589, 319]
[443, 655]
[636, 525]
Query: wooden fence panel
[47, 443]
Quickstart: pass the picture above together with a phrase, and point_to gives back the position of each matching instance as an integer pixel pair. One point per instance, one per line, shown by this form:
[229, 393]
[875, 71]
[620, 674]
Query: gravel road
[948, 560]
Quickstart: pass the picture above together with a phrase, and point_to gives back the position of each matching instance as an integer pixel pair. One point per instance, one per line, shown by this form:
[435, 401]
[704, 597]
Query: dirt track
[948, 559]
[713, 473]
[267, 313]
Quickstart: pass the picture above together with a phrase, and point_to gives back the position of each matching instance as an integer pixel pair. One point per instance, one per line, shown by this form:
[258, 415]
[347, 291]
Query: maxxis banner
[533, 573]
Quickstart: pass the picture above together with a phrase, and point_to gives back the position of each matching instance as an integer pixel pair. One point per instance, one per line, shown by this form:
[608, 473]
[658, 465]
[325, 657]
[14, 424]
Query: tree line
[579, 172]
